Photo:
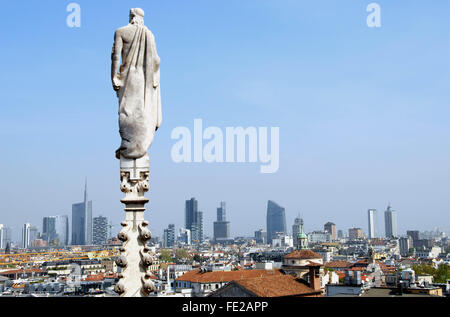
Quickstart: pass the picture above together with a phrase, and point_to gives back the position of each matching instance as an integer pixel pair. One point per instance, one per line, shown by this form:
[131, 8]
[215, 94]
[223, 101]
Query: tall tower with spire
[82, 221]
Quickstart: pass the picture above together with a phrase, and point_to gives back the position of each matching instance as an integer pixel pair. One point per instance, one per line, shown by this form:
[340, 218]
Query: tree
[181, 255]
[165, 256]
[442, 274]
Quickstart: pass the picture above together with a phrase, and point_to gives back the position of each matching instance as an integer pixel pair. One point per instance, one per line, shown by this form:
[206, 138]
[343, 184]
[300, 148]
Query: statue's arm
[115, 58]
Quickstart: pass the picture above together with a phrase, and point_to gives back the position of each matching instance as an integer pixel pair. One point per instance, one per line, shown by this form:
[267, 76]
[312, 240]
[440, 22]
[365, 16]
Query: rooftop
[197, 276]
[303, 255]
[276, 286]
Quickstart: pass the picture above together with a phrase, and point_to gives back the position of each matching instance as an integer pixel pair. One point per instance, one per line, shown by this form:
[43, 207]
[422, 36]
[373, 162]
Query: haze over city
[359, 128]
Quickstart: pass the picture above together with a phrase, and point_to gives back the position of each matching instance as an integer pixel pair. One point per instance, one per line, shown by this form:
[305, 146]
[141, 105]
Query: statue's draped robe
[139, 95]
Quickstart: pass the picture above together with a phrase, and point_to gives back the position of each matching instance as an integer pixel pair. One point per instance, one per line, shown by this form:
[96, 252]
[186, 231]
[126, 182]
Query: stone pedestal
[134, 254]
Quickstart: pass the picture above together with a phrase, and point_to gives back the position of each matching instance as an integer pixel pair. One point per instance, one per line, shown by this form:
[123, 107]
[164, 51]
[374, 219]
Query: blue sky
[363, 113]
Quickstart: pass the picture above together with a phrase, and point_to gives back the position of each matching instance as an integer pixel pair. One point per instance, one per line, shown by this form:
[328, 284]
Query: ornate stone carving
[135, 258]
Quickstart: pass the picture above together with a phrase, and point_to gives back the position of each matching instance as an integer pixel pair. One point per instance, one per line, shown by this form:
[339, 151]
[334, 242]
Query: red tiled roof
[338, 264]
[303, 255]
[276, 286]
[197, 276]
[19, 271]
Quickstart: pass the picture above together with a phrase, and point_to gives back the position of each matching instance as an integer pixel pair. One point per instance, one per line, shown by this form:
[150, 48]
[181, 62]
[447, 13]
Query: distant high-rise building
[194, 220]
[34, 234]
[331, 229]
[5, 236]
[221, 226]
[49, 229]
[355, 233]
[373, 223]
[296, 230]
[26, 239]
[414, 234]
[82, 221]
[2, 237]
[100, 230]
[390, 222]
[340, 234]
[319, 237]
[62, 229]
[276, 220]
[184, 236]
[405, 244]
[261, 236]
[169, 236]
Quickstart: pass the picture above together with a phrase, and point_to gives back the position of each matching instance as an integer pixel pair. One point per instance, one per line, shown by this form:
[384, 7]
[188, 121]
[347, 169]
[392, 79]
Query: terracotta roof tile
[197, 276]
[338, 264]
[276, 286]
[302, 254]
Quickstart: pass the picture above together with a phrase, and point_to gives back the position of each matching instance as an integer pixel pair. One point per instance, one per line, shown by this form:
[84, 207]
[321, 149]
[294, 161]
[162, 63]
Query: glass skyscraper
[82, 221]
[372, 220]
[62, 229]
[276, 220]
[49, 229]
[194, 220]
[221, 226]
[390, 222]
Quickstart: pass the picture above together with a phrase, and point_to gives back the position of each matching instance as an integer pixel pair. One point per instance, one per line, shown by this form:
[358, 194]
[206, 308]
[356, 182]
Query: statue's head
[137, 16]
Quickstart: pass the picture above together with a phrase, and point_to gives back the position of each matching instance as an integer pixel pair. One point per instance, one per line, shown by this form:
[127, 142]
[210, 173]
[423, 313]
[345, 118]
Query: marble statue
[137, 85]
[135, 78]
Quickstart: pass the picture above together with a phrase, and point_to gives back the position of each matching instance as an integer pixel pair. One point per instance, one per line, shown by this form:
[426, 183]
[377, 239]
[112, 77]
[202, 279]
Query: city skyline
[290, 223]
[363, 113]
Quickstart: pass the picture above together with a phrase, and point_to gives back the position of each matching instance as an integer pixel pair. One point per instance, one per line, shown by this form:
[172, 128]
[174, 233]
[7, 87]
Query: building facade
[331, 229]
[276, 220]
[100, 230]
[169, 236]
[355, 233]
[372, 223]
[62, 229]
[49, 230]
[82, 221]
[261, 236]
[26, 237]
[194, 220]
[390, 222]
[221, 226]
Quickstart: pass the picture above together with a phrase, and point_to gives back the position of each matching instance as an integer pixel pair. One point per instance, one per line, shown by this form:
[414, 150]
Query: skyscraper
[82, 221]
[261, 236]
[296, 230]
[184, 236]
[62, 229]
[194, 220]
[169, 236]
[49, 229]
[2, 237]
[355, 233]
[276, 220]
[100, 230]
[34, 234]
[221, 226]
[26, 239]
[390, 222]
[331, 229]
[373, 223]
